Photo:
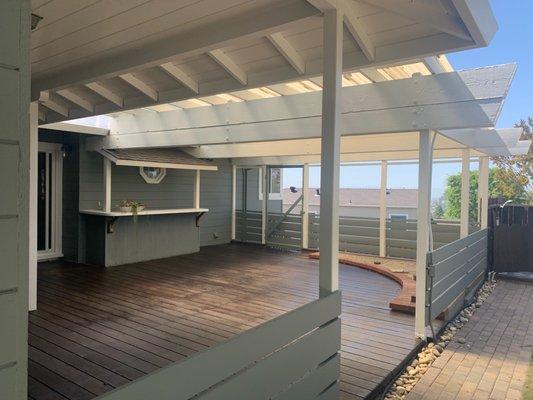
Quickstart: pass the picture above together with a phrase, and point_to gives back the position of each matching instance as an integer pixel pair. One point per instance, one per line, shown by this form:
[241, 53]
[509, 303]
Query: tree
[514, 174]
[452, 194]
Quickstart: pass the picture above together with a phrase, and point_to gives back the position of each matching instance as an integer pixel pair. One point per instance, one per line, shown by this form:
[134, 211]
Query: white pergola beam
[264, 203]
[483, 192]
[330, 157]
[107, 184]
[76, 99]
[288, 52]
[197, 186]
[480, 23]
[424, 13]
[140, 85]
[229, 65]
[305, 206]
[423, 226]
[105, 93]
[357, 30]
[465, 193]
[180, 75]
[373, 74]
[383, 211]
[233, 202]
[50, 101]
[444, 101]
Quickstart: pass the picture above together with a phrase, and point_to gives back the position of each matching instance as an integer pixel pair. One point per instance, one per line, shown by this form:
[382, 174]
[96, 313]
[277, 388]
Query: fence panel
[454, 271]
[292, 354]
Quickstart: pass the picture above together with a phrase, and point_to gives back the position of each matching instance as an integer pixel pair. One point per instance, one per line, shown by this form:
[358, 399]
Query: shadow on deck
[99, 328]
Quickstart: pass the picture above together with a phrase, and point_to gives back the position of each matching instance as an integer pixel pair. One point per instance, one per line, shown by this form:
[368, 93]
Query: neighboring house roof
[404, 198]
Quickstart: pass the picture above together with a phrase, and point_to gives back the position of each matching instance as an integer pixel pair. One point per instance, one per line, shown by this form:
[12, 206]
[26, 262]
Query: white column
[330, 154]
[34, 152]
[483, 192]
[264, 186]
[465, 192]
[383, 211]
[305, 206]
[197, 189]
[107, 185]
[423, 227]
[233, 200]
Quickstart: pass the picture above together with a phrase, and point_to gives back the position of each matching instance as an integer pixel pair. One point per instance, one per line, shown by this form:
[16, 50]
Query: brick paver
[493, 363]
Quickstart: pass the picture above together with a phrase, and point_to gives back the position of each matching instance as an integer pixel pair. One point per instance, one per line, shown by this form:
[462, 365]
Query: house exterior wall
[14, 197]
[175, 191]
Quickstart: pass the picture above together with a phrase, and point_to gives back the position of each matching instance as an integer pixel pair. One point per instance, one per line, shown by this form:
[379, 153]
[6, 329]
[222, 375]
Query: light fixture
[35, 19]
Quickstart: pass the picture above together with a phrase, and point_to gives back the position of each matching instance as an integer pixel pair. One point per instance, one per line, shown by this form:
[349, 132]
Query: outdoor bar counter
[116, 238]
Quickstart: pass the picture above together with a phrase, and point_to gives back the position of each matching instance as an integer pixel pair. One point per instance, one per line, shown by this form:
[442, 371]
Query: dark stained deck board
[97, 329]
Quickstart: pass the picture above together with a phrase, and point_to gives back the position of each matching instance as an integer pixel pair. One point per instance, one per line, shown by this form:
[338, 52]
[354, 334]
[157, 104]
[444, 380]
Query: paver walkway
[493, 362]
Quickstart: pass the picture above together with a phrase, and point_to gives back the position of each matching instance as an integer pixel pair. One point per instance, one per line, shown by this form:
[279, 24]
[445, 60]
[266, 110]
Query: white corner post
[107, 185]
[264, 186]
[330, 153]
[383, 211]
[305, 206]
[233, 201]
[483, 192]
[465, 192]
[196, 189]
[423, 227]
[34, 153]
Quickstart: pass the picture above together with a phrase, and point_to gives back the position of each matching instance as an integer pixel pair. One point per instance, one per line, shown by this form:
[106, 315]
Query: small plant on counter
[131, 206]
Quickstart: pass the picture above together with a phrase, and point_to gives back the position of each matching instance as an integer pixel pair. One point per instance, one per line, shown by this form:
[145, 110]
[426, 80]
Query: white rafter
[356, 30]
[373, 74]
[288, 51]
[140, 85]
[76, 99]
[106, 93]
[229, 65]
[424, 14]
[180, 75]
[50, 100]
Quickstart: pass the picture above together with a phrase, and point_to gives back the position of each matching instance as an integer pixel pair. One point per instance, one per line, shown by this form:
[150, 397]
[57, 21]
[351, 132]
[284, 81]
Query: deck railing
[454, 272]
[294, 356]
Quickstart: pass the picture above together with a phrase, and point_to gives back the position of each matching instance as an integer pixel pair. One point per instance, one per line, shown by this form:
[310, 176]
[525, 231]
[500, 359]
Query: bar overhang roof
[95, 58]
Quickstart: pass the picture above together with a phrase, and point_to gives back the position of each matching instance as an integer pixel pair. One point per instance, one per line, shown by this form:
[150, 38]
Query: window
[276, 184]
[152, 174]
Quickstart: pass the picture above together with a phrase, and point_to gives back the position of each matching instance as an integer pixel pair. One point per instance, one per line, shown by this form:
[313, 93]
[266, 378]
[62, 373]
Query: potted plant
[130, 206]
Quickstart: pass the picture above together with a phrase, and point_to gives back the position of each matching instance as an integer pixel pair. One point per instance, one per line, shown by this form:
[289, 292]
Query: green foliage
[452, 194]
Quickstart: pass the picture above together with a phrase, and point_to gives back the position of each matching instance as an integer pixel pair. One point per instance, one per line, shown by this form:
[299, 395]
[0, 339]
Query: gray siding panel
[175, 191]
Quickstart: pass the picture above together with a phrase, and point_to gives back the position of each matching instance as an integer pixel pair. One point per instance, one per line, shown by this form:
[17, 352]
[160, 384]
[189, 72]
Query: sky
[512, 43]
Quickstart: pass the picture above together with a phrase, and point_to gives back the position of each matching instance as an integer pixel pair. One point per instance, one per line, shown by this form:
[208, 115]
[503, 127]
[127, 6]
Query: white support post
[465, 192]
[34, 152]
[483, 192]
[383, 211]
[305, 206]
[233, 201]
[107, 185]
[264, 187]
[423, 227]
[196, 189]
[330, 153]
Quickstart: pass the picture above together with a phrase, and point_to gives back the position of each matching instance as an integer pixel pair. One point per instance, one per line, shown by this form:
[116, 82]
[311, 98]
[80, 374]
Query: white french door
[49, 201]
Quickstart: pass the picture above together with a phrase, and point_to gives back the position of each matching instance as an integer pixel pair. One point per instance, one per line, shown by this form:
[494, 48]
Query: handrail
[284, 216]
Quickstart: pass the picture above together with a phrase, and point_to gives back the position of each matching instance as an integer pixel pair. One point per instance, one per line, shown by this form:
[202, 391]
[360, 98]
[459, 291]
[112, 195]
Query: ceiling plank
[180, 75]
[255, 23]
[424, 14]
[288, 51]
[229, 65]
[76, 99]
[105, 93]
[140, 85]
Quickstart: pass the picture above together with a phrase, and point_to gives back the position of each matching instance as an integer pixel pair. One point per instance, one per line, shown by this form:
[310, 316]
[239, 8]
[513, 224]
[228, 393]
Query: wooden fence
[454, 272]
[511, 239]
[294, 356]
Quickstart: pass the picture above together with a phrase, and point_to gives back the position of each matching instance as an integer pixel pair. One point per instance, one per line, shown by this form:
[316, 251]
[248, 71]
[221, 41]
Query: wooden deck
[97, 329]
